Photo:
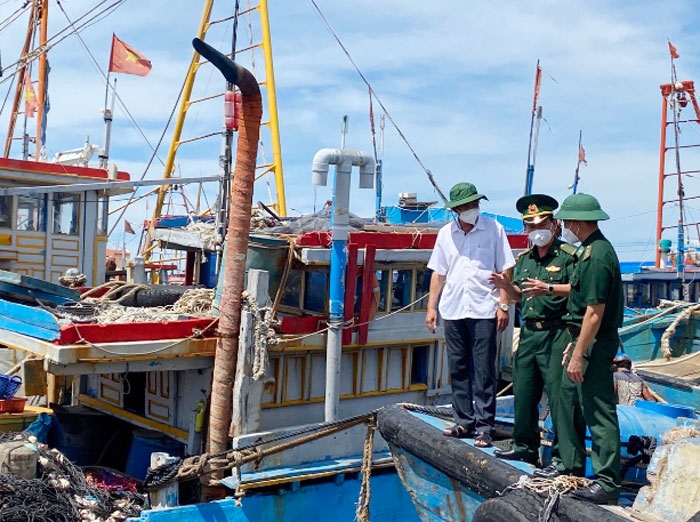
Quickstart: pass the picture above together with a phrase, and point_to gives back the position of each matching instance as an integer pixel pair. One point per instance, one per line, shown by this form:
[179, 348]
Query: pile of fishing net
[62, 492]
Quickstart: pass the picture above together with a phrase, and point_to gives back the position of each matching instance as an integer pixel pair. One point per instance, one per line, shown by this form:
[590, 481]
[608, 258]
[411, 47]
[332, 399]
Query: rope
[263, 334]
[362, 511]
[206, 464]
[671, 330]
[552, 489]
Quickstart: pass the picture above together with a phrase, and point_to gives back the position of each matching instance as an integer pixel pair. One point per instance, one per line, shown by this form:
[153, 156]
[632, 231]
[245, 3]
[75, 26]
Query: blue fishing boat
[450, 479]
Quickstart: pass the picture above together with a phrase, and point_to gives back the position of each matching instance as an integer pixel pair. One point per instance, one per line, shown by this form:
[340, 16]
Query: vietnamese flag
[31, 104]
[672, 49]
[125, 59]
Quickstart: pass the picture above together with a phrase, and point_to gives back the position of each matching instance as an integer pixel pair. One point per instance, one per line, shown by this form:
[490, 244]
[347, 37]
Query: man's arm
[509, 291]
[589, 329]
[436, 282]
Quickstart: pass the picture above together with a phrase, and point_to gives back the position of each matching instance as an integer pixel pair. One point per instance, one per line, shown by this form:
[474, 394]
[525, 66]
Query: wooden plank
[32, 283]
[29, 320]
[350, 286]
[367, 294]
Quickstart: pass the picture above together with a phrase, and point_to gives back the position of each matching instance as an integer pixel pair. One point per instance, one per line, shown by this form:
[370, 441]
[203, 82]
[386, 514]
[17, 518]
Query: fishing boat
[331, 327]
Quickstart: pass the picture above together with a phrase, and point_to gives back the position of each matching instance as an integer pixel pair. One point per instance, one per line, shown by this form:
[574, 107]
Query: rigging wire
[379, 101]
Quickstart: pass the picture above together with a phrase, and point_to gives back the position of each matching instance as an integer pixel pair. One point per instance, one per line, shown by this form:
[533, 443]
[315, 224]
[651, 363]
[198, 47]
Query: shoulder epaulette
[586, 253]
[567, 248]
[524, 252]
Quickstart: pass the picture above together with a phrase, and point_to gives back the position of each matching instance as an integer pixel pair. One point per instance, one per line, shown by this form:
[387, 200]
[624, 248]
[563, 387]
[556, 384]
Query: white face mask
[569, 236]
[540, 238]
[469, 216]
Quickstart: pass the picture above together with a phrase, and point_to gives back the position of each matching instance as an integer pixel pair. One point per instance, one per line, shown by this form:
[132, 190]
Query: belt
[575, 331]
[545, 324]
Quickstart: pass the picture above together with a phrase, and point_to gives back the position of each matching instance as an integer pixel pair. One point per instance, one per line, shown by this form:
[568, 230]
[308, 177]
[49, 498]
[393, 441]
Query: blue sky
[456, 76]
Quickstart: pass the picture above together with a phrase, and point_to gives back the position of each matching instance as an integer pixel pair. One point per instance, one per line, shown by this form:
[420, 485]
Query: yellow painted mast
[177, 130]
[273, 123]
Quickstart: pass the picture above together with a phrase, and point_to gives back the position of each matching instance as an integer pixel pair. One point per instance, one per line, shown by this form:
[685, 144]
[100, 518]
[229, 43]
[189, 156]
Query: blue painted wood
[28, 320]
[328, 500]
[437, 497]
[40, 285]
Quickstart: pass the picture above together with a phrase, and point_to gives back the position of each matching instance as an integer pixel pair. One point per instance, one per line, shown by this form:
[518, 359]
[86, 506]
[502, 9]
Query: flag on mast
[31, 104]
[672, 49]
[538, 82]
[128, 229]
[582, 155]
[125, 59]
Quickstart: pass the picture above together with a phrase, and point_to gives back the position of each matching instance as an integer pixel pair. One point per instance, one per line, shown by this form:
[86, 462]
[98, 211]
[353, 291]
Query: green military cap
[581, 207]
[535, 208]
[463, 193]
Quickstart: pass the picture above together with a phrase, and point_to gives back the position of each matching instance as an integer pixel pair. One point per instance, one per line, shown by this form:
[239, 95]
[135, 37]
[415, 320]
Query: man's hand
[499, 280]
[431, 320]
[575, 368]
[534, 287]
[501, 320]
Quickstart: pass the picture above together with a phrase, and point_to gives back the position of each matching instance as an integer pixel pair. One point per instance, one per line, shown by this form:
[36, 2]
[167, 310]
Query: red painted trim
[301, 325]
[518, 240]
[54, 169]
[367, 289]
[350, 285]
[390, 240]
[125, 332]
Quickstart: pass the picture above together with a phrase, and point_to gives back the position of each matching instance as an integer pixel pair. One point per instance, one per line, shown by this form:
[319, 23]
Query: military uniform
[595, 280]
[543, 337]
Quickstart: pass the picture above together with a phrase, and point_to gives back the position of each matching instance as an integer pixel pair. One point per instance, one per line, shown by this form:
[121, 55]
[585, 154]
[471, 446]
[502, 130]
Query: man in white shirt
[466, 252]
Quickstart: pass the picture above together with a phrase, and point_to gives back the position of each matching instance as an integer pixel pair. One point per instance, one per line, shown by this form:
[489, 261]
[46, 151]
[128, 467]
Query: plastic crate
[15, 405]
[9, 384]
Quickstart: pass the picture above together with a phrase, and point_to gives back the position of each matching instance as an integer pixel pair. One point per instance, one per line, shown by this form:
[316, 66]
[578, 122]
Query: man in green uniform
[541, 283]
[594, 314]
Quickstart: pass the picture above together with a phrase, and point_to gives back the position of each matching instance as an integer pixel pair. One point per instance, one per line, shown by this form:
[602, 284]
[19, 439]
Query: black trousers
[471, 348]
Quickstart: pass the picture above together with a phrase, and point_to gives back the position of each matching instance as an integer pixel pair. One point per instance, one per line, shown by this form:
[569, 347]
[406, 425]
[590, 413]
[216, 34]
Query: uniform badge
[532, 209]
[553, 268]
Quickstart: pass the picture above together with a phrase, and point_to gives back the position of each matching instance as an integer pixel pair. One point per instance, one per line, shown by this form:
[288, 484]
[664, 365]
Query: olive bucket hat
[581, 207]
[463, 193]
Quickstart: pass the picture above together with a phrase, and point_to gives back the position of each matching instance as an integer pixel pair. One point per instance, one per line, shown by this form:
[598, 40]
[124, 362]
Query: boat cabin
[53, 218]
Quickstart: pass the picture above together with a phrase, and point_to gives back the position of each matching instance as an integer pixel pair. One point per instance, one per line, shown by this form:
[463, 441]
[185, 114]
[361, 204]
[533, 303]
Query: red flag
[672, 49]
[125, 59]
[128, 229]
[538, 81]
[582, 155]
[31, 104]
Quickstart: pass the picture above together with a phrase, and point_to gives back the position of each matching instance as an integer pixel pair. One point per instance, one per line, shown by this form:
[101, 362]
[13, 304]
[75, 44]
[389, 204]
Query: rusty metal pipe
[237, 244]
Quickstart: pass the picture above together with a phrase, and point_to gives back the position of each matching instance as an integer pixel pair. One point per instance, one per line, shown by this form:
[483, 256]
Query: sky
[456, 77]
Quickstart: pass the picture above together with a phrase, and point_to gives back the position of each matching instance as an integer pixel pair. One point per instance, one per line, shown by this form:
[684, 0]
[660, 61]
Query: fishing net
[61, 492]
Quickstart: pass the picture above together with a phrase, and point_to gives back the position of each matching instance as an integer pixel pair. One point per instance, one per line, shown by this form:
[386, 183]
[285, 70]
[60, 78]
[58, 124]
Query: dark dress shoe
[549, 472]
[596, 494]
[512, 454]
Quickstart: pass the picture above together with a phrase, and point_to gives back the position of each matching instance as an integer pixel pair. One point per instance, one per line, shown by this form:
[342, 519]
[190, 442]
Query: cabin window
[315, 291]
[401, 289]
[31, 212]
[5, 211]
[422, 288]
[66, 209]
[102, 215]
[292, 290]
[419, 365]
[383, 283]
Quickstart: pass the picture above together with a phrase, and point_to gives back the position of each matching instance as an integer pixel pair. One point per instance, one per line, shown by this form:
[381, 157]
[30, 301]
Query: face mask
[569, 236]
[540, 238]
[469, 216]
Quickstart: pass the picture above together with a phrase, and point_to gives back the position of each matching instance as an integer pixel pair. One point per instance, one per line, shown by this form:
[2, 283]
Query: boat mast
[43, 11]
[675, 95]
[272, 123]
[534, 136]
[23, 71]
